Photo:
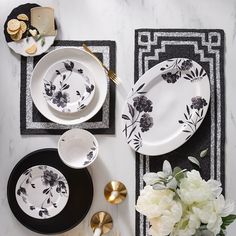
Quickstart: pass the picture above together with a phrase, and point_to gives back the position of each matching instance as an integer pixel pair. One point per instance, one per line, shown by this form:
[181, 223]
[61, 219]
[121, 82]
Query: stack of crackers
[17, 27]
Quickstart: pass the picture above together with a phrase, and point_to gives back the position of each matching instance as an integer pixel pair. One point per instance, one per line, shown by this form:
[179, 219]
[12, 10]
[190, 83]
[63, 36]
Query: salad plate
[47, 196]
[87, 61]
[166, 106]
[68, 86]
[42, 191]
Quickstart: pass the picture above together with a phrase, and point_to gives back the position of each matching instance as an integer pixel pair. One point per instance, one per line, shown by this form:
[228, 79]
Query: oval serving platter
[166, 106]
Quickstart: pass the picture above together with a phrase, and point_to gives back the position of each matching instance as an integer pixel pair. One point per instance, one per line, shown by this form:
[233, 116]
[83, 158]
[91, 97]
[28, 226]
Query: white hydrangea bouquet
[181, 203]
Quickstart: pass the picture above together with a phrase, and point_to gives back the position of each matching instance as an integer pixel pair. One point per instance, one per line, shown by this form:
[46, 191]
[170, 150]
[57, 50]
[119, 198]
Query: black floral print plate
[166, 106]
[65, 194]
[68, 86]
[42, 191]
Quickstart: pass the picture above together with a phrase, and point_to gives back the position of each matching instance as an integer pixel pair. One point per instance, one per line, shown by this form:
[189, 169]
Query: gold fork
[111, 74]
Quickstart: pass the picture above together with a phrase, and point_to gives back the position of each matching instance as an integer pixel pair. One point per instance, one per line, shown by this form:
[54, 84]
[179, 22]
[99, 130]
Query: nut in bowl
[78, 148]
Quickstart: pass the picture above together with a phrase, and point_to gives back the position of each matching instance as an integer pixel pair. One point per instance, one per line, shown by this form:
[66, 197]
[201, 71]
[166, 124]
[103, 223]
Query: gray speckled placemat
[33, 122]
[207, 48]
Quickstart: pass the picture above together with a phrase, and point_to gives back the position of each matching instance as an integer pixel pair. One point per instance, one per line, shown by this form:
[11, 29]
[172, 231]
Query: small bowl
[78, 148]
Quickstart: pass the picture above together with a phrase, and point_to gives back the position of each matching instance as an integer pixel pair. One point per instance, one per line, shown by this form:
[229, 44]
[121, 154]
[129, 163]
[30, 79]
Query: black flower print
[193, 116]
[138, 114]
[198, 103]
[186, 65]
[146, 122]
[61, 187]
[142, 103]
[49, 88]
[50, 178]
[170, 78]
[91, 155]
[61, 99]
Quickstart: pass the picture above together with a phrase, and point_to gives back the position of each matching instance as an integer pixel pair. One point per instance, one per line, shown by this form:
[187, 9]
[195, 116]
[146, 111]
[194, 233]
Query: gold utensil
[115, 192]
[101, 223]
[111, 74]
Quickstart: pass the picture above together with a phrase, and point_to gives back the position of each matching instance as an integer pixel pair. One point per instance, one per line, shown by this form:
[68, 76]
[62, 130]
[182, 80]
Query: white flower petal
[167, 168]
[150, 178]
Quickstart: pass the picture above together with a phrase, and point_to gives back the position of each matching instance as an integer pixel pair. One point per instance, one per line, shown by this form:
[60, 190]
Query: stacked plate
[68, 86]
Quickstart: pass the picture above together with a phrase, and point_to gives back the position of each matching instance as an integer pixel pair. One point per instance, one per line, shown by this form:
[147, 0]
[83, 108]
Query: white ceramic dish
[166, 106]
[37, 87]
[78, 148]
[42, 192]
[68, 86]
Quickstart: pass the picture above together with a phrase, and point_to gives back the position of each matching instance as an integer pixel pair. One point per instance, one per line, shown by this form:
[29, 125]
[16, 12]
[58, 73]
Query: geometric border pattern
[208, 45]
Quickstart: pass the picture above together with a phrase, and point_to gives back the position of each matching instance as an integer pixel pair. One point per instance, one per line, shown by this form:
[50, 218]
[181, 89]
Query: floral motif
[170, 78]
[56, 93]
[197, 107]
[60, 99]
[142, 103]
[91, 155]
[51, 180]
[138, 114]
[146, 122]
[198, 103]
[186, 65]
[179, 66]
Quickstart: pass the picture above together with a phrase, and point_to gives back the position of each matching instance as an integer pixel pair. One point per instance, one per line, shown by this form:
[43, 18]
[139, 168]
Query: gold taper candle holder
[101, 220]
[115, 192]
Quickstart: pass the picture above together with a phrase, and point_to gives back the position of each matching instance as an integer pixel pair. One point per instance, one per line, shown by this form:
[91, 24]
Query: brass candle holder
[101, 223]
[115, 192]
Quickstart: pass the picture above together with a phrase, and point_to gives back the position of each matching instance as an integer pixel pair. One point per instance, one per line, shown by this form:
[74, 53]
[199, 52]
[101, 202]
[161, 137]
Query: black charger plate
[80, 193]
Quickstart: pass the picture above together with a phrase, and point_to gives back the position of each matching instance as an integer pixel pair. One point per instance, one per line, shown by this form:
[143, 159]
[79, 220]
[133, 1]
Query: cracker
[32, 49]
[22, 17]
[23, 26]
[17, 36]
[12, 32]
[13, 24]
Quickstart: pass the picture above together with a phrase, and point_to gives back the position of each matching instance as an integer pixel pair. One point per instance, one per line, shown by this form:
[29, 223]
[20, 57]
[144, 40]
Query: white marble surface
[115, 20]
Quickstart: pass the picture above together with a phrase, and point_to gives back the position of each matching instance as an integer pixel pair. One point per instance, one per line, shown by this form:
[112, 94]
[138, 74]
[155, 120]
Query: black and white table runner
[33, 122]
[207, 48]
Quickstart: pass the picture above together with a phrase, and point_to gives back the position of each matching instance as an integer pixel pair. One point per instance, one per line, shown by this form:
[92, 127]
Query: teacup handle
[97, 232]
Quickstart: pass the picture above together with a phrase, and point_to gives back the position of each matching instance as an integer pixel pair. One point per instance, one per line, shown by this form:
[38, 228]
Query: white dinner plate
[166, 106]
[68, 86]
[37, 86]
[42, 192]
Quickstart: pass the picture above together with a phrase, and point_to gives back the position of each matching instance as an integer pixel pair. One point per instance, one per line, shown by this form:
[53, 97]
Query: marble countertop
[110, 20]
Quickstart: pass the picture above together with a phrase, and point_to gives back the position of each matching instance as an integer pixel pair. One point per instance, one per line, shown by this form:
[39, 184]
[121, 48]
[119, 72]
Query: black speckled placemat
[207, 48]
[33, 122]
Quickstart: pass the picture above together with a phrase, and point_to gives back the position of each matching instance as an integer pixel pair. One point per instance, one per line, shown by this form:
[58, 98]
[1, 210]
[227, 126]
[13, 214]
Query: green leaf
[227, 221]
[204, 153]
[42, 41]
[194, 160]
[178, 173]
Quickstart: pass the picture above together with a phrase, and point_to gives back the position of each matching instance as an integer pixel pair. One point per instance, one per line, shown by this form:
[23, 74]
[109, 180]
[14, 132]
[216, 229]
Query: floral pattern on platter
[138, 120]
[196, 109]
[53, 185]
[58, 95]
[91, 155]
[181, 68]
